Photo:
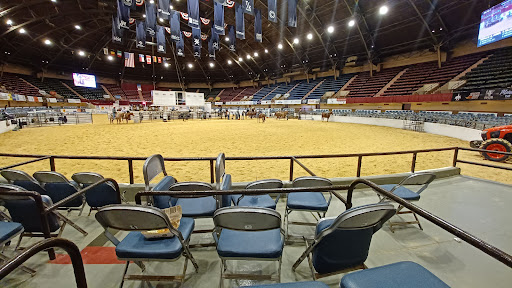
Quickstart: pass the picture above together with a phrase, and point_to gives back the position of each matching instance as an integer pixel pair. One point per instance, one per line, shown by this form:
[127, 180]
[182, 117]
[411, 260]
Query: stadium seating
[86, 92]
[212, 94]
[330, 85]
[303, 88]
[49, 85]
[263, 92]
[366, 86]
[115, 90]
[229, 93]
[282, 89]
[18, 86]
[246, 94]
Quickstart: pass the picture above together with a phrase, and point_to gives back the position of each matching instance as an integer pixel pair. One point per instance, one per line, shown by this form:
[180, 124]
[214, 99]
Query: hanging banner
[175, 26]
[196, 37]
[127, 3]
[197, 52]
[160, 39]
[248, 6]
[215, 40]
[205, 21]
[117, 32]
[211, 49]
[137, 5]
[123, 13]
[218, 18]
[141, 34]
[193, 13]
[150, 18]
[258, 35]
[240, 23]
[227, 3]
[292, 13]
[180, 46]
[272, 10]
[232, 38]
[163, 9]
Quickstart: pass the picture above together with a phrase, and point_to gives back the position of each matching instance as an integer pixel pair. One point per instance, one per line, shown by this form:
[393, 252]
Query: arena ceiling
[48, 34]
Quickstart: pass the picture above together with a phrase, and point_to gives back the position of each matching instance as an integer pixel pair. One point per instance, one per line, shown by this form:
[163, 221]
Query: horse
[261, 116]
[283, 115]
[111, 117]
[123, 115]
[326, 115]
[251, 114]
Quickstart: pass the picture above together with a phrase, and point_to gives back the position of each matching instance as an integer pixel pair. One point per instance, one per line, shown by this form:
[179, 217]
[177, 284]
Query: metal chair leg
[73, 224]
[24, 268]
[124, 274]
[18, 243]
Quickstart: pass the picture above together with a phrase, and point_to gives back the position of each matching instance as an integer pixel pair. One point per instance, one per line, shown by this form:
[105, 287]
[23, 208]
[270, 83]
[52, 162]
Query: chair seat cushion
[402, 192]
[135, 246]
[162, 202]
[8, 230]
[264, 201]
[250, 244]
[314, 201]
[311, 284]
[197, 207]
[396, 275]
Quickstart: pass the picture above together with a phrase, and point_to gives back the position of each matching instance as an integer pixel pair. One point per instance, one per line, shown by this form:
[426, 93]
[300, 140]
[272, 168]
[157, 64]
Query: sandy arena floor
[235, 138]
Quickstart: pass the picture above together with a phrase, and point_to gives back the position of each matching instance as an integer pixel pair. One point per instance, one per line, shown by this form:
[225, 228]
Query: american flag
[129, 60]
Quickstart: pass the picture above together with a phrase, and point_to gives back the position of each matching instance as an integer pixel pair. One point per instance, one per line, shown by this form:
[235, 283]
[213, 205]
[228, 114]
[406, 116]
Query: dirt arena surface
[207, 138]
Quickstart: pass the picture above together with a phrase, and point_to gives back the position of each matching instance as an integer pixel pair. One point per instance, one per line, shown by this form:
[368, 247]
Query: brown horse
[282, 115]
[123, 116]
[251, 114]
[262, 116]
[326, 115]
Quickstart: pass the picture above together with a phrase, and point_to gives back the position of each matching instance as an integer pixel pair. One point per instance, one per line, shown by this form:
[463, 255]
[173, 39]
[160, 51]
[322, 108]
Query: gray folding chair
[135, 247]
[104, 194]
[408, 189]
[58, 187]
[248, 233]
[313, 202]
[23, 179]
[263, 200]
[222, 181]
[153, 167]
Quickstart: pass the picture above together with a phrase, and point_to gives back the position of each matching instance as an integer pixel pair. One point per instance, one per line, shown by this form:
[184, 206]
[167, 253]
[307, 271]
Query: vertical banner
[232, 38]
[240, 23]
[128, 3]
[180, 46]
[123, 13]
[258, 35]
[117, 32]
[218, 18]
[163, 9]
[151, 18]
[248, 6]
[211, 49]
[193, 13]
[292, 13]
[137, 5]
[272, 10]
[141, 33]
[160, 39]
[197, 52]
[196, 37]
[215, 40]
[175, 26]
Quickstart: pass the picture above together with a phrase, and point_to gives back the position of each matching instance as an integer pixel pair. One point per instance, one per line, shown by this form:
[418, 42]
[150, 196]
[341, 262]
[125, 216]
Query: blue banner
[117, 32]
[272, 10]
[180, 46]
[193, 13]
[196, 37]
[175, 26]
[258, 35]
[137, 5]
[160, 39]
[232, 38]
[240, 23]
[164, 7]
[248, 6]
[128, 3]
[218, 18]
[292, 13]
[123, 13]
[151, 18]
[140, 27]
[215, 40]
[197, 52]
[211, 49]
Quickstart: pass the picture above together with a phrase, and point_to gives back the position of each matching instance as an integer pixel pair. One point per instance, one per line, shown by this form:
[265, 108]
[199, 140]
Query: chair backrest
[22, 179]
[190, 186]
[220, 169]
[247, 218]
[86, 177]
[265, 184]
[311, 181]
[133, 218]
[422, 180]
[153, 166]
[222, 181]
[58, 187]
[344, 241]
[101, 195]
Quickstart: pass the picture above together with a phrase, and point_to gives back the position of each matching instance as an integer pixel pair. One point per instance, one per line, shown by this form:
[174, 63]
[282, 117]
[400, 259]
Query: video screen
[84, 80]
[496, 23]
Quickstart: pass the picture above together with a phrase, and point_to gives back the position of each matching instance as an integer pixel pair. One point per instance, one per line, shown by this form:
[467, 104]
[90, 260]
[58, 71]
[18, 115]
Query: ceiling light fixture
[330, 29]
[166, 64]
[9, 22]
[383, 10]
[351, 23]
[280, 46]
[190, 65]
[78, 27]
[240, 59]
[230, 62]
[47, 42]
[110, 58]
[226, 39]
[22, 31]
[266, 51]
[143, 15]
[212, 64]
[248, 56]
[310, 36]
[256, 54]
[296, 41]
[81, 53]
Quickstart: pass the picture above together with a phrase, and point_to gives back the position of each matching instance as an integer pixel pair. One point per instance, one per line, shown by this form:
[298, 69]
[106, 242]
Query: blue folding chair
[153, 167]
[58, 187]
[23, 179]
[397, 275]
[9, 231]
[136, 248]
[341, 244]
[309, 284]
[197, 206]
[313, 202]
[102, 195]
[263, 200]
[408, 189]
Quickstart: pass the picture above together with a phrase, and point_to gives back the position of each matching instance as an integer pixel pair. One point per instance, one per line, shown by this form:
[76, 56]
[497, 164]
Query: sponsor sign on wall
[266, 101]
[337, 101]
[288, 102]
[74, 101]
[240, 103]
[487, 94]
[313, 101]
[219, 103]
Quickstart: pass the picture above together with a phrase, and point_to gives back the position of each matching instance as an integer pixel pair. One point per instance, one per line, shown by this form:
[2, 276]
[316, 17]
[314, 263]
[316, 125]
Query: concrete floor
[475, 205]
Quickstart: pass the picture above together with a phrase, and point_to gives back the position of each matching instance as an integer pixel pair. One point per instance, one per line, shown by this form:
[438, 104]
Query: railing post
[291, 169]
[52, 163]
[130, 170]
[359, 160]
[413, 165]
[212, 175]
[455, 156]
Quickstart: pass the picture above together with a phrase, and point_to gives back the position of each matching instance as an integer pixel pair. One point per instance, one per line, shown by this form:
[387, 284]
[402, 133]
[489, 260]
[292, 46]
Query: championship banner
[227, 3]
[137, 5]
[123, 13]
[197, 52]
[128, 2]
[193, 13]
[258, 35]
[117, 32]
[240, 23]
[163, 9]
[175, 26]
[180, 46]
[486, 94]
[196, 37]
[211, 50]
[232, 38]
[218, 18]
[215, 40]
[141, 33]
[292, 13]
[151, 18]
[248, 6]
[272, 10]
[160, 39]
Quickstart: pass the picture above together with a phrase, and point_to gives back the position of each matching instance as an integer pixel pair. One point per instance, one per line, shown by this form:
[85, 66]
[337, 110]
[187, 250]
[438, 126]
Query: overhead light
[441, 29]
[256, 54]
[433, 31]
[383, 10]
[212, 64]
[161, 19]
[22, 31]
[226, 39]
[280, 46]
[296, 41]
[110, 58]
[330, 29]
[240, 59]
[266, 51]
[81, 53]
[151, 2]
[310, 36]
[248, 56]
[47, 42]
[166, 64]
[230, 62]
[9, 22]
[190, 65]
[54, 1]
[78, 27]
[143, 15]
[351, 22]
[171, 7]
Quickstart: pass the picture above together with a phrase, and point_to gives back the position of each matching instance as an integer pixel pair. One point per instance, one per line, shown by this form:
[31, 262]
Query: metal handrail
[68, 246]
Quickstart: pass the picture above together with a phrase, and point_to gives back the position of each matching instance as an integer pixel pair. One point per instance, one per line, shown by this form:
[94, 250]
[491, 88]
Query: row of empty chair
[17, 85]
[49, 84]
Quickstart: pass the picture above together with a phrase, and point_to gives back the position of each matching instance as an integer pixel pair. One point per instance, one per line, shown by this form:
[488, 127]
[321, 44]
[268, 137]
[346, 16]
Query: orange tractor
[495, 139]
